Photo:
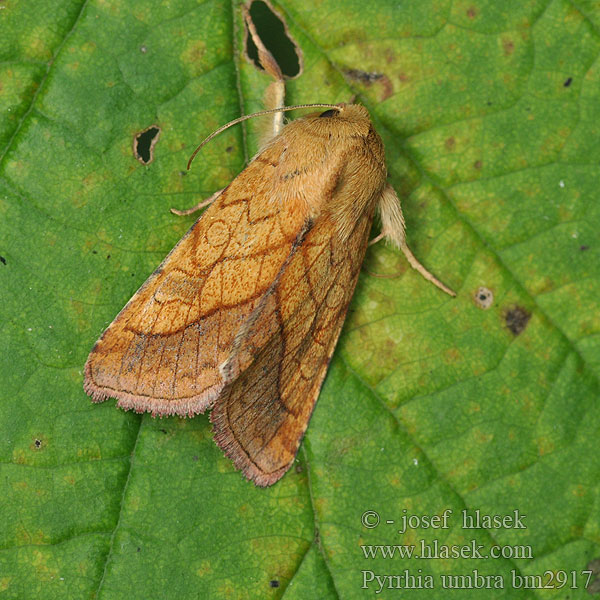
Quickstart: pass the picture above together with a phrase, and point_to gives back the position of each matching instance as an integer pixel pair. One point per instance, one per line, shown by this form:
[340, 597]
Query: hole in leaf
[274, 583]
[2, 260]
[484, 298]
[568, 82]
[274, 35]
[144, 142]
[37, 443]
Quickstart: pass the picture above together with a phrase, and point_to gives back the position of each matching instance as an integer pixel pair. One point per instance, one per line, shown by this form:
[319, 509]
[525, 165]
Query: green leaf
[490, 115]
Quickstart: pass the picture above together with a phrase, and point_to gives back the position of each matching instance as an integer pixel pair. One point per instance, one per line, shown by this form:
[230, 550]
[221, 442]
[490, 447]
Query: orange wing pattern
[197, 298]
[244, 314]
[263, 412]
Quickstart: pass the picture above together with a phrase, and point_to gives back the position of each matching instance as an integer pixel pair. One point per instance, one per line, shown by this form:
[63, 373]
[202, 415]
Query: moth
[243, 315]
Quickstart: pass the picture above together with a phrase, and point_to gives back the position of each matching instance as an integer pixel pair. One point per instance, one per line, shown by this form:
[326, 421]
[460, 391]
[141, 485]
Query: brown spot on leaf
[509, 47]
[369, 78]
[484, 298]
[144, 142]
[583, 248]
[471, 12]
[450, 143]
[451, 356]
[193, 55]
[516, 319]
[477, 165]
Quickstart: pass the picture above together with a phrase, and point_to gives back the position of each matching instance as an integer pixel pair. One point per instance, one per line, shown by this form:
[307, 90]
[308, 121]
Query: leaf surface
[490, 115]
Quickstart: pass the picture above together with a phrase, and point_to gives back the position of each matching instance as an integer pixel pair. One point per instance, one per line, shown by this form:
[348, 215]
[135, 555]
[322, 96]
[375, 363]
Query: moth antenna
[256, 114]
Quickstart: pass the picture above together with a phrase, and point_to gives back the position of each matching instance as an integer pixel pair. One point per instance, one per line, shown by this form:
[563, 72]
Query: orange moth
[243, 315]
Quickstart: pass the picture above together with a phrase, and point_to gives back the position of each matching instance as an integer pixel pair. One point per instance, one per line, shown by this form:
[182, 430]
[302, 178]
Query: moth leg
[274, 98]
[377, 238]
[393, 229]
[275, 92]
[198, 206]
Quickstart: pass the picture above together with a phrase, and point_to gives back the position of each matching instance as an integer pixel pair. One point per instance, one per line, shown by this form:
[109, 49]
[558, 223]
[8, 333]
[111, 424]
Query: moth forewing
[163, 352]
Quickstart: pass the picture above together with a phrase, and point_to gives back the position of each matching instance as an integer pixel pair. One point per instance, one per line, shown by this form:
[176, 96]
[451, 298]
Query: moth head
[338, 120]
[343, 120]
